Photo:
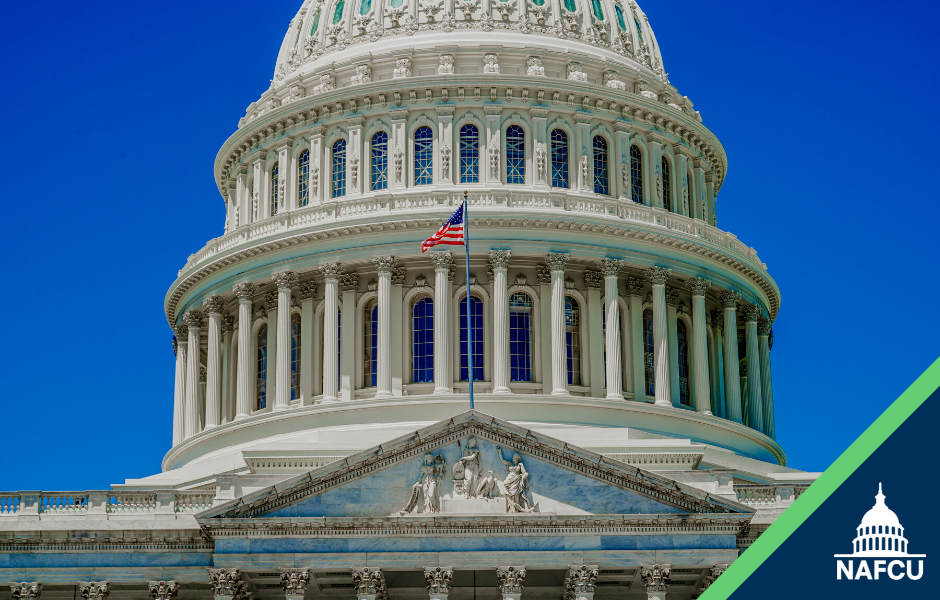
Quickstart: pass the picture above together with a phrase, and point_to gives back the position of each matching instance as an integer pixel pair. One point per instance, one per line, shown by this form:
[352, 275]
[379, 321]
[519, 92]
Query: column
[700, 378]
[448, 163]
[732, 369]
[438, 579]
[396, 322]
[226, 584]
[711, 217]
[26, 590]
[611, 270]
[213, 306]
[697, 191]
[228, 368]
[714, 573]
[163, 590]
[191, 412]
[271, 310]
[657, 276]
[544, 275]
[442, 378]
[331, 341]
[592, 336]
[720, 402]
[384, 266]
[556, 262]
[369, 583]
[767, 386]
[634, 289]
[308, 290]
[580, 582]
[681, 167]
[179, 390]
[500, 261]
[256, 210]
[294, 582]
[243, 388]
[349, 282]
[755, 418]
[655, 579]
[231, 198]
[510, 581]
[672, 335]
[94, 590]
[283, 386]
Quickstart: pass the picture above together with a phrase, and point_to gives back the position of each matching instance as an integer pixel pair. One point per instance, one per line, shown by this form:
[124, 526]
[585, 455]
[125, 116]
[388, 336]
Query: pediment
[513, 470]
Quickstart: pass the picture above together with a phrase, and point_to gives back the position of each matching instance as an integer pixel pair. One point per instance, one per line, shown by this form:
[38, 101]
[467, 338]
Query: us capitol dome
[622, 438]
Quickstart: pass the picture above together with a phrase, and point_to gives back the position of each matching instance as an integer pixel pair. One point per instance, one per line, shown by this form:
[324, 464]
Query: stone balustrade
[18, 504]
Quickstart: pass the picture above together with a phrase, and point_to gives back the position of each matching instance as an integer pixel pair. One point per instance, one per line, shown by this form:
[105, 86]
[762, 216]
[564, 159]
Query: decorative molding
[634, 287]
[163, 590]
[593, 279]
[331, 270]
[94, 590]
[658, 275]
[557, 261]
[610, 267]
[308, 290]
[294, 581]
[284, 280]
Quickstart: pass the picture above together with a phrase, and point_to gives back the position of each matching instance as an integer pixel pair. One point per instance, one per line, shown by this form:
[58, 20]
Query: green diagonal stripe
[828, 482]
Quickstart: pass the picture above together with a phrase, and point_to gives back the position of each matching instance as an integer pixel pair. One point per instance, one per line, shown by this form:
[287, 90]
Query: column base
[502, 390]
[663, 403]
[240, 417]
[705, 412]
[383, 394]
[327, 400]
[614, 396]
[561, 392]
[281, 407]
[442, 391]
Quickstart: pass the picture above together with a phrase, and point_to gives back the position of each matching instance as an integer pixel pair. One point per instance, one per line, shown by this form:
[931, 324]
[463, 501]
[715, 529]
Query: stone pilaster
[294, 582]
[284, 282]
[163, 590]
[592, 336]
[226, 584]
[442, 379]
[26, 590]
[213, 306]
[581, 581]
[243, 388]
[331, 272]
[719, 369]
[349, 282]
[438, 579]
[384, 266]
[672, 337]
[369, 583]
[729, 301]
[556, 262]
[662, 383]
[228, 370]
[755, 408]
[656, 580]
[698, 287]
[271, 305]
[499, 259]
[767, 386]
[634, 289]
[308, 290]
[94, 590]
[179, 390]
[611, 270]
[194, 320]
[511, 580]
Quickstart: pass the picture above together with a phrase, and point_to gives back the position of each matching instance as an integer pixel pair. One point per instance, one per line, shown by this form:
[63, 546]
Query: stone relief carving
[363, 75]
[327, 83]
[571, 19]
[494, 160]
[612, 80]
[534, 66]
[354, 170]
[431, 9]
[538, 13]
[585, 167]
[395, 14]
[516, 484]
[467, 7]
[447, 65]
[490, 64]
[445, 160]
[399, 159]
[642, 88]
[541, 159]
[315, 180]
[505, 8]
[429, 483]
[402, 68]
[575, 73]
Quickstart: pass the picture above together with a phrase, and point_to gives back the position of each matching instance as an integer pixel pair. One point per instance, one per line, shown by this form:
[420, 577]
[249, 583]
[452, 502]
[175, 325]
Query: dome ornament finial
[880, 498]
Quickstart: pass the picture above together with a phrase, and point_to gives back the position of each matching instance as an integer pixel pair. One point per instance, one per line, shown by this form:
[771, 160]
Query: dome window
[601, 184]
[422, 333]
[424, 156]
[620, 21]
[520, 337]
[667, 188]
[303, 179]
[469, 154]
[316, 23]
[476, 320]
[636, 174]
[573, 340]
[365, 7]
[380, 161]
[598, 11]
[339, 168]
[559, 158]
[515, 154]
[338, 11]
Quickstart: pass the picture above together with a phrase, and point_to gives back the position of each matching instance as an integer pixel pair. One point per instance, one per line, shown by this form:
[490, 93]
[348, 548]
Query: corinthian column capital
[369, 583]
[226, 583]
[294, 582]
[331, 270]
[634, 286]
[511, 579]
[163, 590]
[582, 579]
[655, 577]
[593, 279]
[213, 304]
[658, 275]
[244, 291]
[94, 590]
[556, 260]
[610, 266]
[228, 325]
[500, 258]
[752, 313]
[672, 297]
[438, 579]
[194, 319]
[698, 286]
[182, 332]
[763, 327]
[308, 290]
[441, 260]
[349, 281]
[26, 590]
[730, 299]
[384, 264]
[285, 280]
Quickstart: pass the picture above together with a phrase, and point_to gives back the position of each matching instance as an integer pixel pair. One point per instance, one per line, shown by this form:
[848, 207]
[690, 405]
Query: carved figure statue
[488, 486]
[575, 73]
[354, 169]
[445, 160]
[625, 174]
[429, 481]
[315, 179]
[612, 81]
[494, 160]
[490, 64]
[642, 88]
[516, 483]
[327, 83]
[363, 75]
[534, 66]
[584, 167]
[399, 158]
[447, 65]
[470, 463]
[540, 156]
[402, 68]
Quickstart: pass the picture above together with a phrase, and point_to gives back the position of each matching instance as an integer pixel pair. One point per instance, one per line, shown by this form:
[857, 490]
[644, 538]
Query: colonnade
[617, 360]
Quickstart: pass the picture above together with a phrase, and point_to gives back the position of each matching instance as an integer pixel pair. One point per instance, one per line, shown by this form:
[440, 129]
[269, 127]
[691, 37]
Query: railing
[63, 503]
[768, 496]
[9, 504]
[132, 502]
[193, 502]
[417, 206]
[16, 504]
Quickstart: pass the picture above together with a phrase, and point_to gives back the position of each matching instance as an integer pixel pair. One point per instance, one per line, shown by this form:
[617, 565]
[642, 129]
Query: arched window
[636, 174]
[598, 11]
[476, 321]
[274, 194]
[316, 23]
[295, 357]
[515, 154]
[338, 11]
[573, 340]
[520, 337]
[639, 32]
[303, 179]
[422, 345]
[379, 160]
[262, 380]
[559, 158]
[339, 168]
[570, 6]
[648, 349]
[365, 6]
[685, 392]
[424, 155]
[370, 345]
[667, 187]
[601, 185]
[469, 154]
[620, 21]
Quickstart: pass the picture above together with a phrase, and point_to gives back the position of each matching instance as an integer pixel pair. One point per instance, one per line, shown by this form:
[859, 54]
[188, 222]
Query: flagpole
[466, 242]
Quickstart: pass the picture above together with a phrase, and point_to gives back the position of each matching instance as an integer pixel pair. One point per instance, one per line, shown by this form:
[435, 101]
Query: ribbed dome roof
[325, 31]
[880, 514]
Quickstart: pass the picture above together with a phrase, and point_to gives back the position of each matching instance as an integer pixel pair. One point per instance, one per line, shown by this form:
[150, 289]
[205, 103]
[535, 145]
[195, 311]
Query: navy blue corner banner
[806, 562]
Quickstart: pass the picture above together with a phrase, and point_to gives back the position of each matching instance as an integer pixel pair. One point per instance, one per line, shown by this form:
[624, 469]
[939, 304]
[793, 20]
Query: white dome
[880, 514]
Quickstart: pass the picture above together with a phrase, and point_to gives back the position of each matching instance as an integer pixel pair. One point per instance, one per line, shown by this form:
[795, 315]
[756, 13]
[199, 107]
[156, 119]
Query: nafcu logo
[880, 545]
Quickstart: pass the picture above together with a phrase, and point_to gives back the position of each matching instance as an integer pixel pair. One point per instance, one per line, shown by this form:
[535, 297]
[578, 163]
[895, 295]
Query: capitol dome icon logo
[880, 536]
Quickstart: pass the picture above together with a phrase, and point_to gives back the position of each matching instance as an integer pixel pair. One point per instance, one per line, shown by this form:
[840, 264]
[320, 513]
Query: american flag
[451, 233]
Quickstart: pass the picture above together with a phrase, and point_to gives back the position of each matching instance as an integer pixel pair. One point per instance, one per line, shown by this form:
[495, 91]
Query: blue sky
[115, 112]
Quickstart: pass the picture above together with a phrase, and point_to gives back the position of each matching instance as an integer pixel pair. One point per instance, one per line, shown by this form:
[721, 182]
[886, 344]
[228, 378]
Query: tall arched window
[469, 154]
[364, 7]
[274, 195]
[424, 155]
[476, 321]
[573, 340]
[295, 357]
[636, 174]
[339, 168]
[338, 11]
[601, 185]
[520, 337]
[639, 32]
[262, 359]
[316, 23]
[380, 161]
[515, 154]
[422, 345]
[620, 21]
[685, 391]
[559, 158]
[667, 188]
[648, 349]
[303, 179]
[598, 11]
[370, 345]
